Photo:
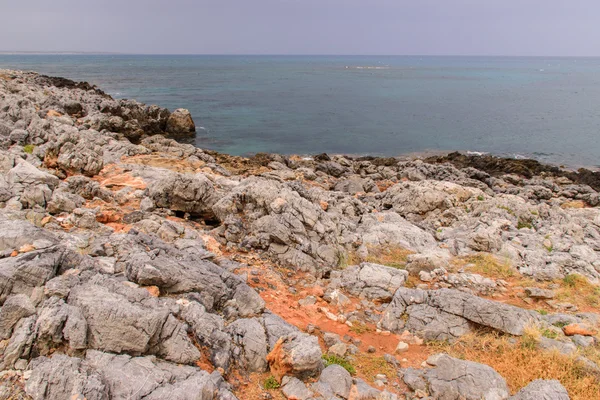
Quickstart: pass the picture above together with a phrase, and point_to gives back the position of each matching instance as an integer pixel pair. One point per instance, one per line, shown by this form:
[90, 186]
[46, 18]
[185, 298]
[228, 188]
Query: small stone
[425, 276]
[307, 301]
[310, 328]
[402, 347]
[538, 293]
[338, 349]
[371, 349]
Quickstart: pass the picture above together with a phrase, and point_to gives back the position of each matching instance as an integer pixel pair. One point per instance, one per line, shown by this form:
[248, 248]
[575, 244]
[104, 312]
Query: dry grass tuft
[522, 362]
[390, 256]
[485, 264]
[368, 366]
[578, 290]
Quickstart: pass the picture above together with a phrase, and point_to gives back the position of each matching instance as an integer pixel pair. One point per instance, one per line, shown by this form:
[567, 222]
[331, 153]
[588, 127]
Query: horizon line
[27, 52]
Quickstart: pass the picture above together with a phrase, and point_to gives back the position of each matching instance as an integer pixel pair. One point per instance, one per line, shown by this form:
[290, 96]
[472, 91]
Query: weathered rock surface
[453, 379]
[446, 314]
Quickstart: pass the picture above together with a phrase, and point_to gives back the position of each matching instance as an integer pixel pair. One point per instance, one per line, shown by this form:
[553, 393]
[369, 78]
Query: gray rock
[20, 343]
[250, 336]
[338, 379]
[192, 193]
[294, 388]
[454, 379]
[542, 390]
[539, 293]
[14, 308]
[296, 354]
[19, 136]
[446, 314]
[62, 377]
[361, 390]
[372, 281]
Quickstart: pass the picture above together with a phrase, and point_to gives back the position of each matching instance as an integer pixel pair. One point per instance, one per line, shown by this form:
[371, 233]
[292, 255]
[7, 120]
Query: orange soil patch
[115, 178]
[160, 160]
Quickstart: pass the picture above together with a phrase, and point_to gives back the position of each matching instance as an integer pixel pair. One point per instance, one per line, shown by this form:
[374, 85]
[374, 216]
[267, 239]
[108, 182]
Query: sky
[397, 27]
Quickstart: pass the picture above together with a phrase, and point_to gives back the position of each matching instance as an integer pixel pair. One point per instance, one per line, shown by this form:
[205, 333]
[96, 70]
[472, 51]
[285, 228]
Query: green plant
[524, 224]
[480, 198]
[271, 383]
[507, 209]
[543, 312]
[549, 333]
[28, 148]
[572, 280]
[331, 359]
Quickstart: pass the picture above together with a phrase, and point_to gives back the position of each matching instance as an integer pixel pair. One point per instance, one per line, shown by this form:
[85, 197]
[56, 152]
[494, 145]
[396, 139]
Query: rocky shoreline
[136, 267]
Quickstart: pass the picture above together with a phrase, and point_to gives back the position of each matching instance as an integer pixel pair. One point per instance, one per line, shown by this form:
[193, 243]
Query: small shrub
[480, 198]
[330, 359]
[359, 328]
[572, 280]
[28, 148]
[271, 383]
[487, 264]
[524, 224]
[549, 333]
[542, 312]
[507, 209]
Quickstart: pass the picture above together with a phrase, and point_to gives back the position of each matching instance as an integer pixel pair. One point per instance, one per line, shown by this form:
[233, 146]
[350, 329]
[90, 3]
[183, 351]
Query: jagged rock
[180, 122]
[185, 192]
[81, 158]
[454, 379]
[295, 389]
[22, 274]
[175, 272]
[371, 281]
[296, 354]
[14, 308]
[388, 229]
[355, 185]
[361, 390]
[446, 314]
[121, 318]
[250, 336]
[62, 377]
[108, 376]
[20, 343]
[292, 228]
[542, 390]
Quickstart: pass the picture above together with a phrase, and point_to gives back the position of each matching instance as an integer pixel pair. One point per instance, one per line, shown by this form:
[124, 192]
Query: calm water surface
[546, 108]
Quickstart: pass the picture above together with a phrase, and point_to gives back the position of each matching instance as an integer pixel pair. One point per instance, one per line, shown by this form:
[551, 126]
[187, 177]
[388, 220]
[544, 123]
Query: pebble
[371, 349]
[402, 347]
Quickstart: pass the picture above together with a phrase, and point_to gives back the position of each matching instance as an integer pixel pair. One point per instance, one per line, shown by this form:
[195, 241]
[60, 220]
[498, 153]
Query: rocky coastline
[133, 266]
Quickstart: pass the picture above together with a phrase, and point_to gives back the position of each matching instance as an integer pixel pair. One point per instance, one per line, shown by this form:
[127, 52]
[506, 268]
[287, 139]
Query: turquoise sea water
[546, 108]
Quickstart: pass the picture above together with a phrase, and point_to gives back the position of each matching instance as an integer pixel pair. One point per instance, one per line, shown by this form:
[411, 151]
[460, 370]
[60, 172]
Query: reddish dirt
[161, 160]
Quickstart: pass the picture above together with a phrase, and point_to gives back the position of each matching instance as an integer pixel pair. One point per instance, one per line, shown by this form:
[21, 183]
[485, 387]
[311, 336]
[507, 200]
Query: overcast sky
[447, 27]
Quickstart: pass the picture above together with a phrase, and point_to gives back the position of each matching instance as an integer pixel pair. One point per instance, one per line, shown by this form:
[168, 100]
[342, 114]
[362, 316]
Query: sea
[547, 108]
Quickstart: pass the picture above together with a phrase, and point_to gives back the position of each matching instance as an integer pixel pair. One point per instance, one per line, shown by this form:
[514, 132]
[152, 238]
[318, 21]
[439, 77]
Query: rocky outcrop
[180, 123]
[446, 314]
[128, 260]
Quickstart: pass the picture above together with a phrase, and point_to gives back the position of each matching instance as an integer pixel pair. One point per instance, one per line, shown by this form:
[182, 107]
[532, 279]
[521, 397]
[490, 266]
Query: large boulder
[191, 193]
[369, 280]
[103, 376]
[542, 390]
[274, 216]
[14, 308]
[122, 318]
[180, 123]
[446, 314]
[454, 379]
[296, 354]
